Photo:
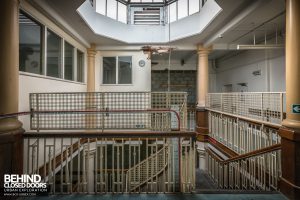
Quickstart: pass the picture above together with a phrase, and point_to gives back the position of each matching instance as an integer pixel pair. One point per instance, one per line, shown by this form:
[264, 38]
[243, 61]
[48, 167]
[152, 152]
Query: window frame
[117, 71]
[44, 63]
[42, 44]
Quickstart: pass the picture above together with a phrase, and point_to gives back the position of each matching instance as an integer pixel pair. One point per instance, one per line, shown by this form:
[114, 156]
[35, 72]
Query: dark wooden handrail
[258, 152]
[109, 134]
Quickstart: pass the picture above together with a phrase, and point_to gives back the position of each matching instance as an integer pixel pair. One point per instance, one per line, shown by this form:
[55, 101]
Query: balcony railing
[263, 107]
[248, 124]
[93, 163]
[155, 111]
[240, 135]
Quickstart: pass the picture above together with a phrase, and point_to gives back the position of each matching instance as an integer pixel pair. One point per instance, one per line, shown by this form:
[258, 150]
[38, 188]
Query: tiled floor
[165, 197]
[206, 190]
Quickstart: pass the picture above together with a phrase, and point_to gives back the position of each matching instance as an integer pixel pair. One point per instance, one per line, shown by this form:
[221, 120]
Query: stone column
[11, 141]
[202, 89]
[91, 53]
[290, 133]
[91, 118]
[9, 63]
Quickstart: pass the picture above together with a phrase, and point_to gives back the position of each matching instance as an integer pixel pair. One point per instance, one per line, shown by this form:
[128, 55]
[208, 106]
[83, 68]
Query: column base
[11, 153]
[9, 124]
[202, 124]
[290, 161]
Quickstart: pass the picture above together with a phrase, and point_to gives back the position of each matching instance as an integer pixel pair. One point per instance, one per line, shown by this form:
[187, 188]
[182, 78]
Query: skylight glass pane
[135, 1]
[112, 9]
[172, 10]
[158, 1]
[100, 6]
[146, 0]
[122, 13]
[182, 9]
[193, 6]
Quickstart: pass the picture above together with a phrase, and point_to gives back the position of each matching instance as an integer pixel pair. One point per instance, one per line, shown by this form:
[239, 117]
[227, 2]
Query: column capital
[201, 50]
[91, 52]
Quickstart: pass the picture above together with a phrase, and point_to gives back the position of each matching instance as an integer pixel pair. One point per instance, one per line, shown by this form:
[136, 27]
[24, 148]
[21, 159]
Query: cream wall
[141, 76]
[31, 83]
[240, 68]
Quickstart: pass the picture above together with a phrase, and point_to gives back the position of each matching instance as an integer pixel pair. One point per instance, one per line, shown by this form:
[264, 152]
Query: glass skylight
[147, 12]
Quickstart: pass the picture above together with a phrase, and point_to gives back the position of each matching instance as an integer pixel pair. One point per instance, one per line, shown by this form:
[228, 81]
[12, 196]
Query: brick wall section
[181, 80]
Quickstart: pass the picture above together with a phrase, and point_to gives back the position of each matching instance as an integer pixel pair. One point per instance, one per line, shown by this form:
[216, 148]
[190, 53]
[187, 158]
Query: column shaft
[91, 69]
[290, 132]
[202, 90]
[292, 63]
[9, 65]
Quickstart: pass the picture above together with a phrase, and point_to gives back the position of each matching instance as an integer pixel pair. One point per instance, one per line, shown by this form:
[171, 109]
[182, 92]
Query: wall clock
[142, 63]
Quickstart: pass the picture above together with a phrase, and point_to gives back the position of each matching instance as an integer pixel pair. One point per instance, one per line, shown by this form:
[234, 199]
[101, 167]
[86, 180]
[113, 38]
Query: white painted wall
[29, 83]
[141, 76]
[239, 69]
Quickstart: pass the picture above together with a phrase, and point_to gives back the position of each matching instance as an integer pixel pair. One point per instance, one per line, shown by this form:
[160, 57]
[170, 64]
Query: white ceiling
[268, 16]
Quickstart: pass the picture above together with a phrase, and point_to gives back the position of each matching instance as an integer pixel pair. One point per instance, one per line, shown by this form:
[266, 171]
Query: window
[43, 52]
[122, 13]
[109, 70]
[53, 55]
[112, 9]
[124, 70]
[193, 6]
[69, 61]
[173, 12]
[182, 8]
[80, 68]
[30, 46]
[117, 70]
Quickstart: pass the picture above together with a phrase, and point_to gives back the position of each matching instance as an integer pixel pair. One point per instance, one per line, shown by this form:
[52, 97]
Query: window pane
[53, 55]
[69, 61]
[100, 6]
[109, 70]
[80, 68]
[193, 6]
[125, 69]
[112, 9]
[122, 13]
[182, 8]
[30, 45]
[173, 15]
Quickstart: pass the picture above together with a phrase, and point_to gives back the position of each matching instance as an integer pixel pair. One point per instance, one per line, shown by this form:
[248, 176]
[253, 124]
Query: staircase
[147, 171]
[258, 170]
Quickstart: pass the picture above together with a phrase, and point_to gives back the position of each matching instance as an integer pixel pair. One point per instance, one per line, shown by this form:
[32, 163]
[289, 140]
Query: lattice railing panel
[108, 110]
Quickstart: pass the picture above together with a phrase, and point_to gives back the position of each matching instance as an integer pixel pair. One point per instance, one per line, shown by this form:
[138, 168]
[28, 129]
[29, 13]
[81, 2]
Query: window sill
[116, 84]
[49, 77]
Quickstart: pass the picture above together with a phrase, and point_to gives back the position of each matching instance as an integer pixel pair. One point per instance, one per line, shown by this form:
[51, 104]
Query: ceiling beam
[232, 23]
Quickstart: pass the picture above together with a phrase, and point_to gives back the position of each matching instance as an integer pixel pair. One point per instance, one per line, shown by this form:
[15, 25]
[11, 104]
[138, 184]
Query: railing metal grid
[96, 164]
[137, 110]
[262, 106]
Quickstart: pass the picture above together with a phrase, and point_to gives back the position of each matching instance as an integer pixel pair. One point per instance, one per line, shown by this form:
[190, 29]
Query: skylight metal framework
[159, 3]
[147, 12]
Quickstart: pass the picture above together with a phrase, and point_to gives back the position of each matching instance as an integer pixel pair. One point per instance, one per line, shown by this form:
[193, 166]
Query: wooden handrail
[246, 155]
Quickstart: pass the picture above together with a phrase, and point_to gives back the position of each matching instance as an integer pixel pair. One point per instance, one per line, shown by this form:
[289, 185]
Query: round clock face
[142, 63]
